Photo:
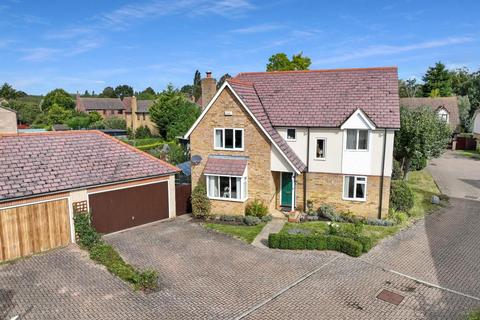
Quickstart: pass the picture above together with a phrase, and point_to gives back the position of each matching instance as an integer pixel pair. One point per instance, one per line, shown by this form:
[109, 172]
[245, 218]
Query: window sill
[320, 159]
[354, 200]
[355, 150]
[225, 149]
[227, 199]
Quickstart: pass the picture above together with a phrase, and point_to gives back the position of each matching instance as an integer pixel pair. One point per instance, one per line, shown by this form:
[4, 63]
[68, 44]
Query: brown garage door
[33, 228]
[125, 208]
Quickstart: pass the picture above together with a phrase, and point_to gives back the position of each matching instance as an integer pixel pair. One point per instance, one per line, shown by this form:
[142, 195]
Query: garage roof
[39, 163]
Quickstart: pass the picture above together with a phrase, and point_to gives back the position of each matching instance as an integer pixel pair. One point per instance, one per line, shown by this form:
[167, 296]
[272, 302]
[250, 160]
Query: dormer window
[357, 139]
[291, 134]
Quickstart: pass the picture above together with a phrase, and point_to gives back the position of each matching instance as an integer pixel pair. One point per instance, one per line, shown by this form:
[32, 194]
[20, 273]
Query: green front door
[286, 189]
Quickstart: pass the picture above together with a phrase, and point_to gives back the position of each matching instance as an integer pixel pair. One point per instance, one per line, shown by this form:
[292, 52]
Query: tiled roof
[39, 163]
[247, 93]
[143, 105]
[225, 166]
[325, 98]
[99, 104]
[448, 103]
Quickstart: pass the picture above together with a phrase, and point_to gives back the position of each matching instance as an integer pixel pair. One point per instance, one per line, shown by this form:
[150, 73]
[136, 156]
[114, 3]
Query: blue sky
[80, 45]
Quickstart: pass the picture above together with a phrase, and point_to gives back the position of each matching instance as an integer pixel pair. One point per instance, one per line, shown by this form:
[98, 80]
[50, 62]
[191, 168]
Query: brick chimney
[209, 88]
[134, 107]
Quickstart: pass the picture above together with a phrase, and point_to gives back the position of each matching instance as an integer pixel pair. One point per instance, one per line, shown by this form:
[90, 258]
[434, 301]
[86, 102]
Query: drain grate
[390, 297]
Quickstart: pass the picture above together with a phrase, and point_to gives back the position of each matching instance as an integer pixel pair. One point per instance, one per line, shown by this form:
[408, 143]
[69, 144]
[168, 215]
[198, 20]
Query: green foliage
[267, 218]
[143, 132]
[222, 80]
[108, 92]
[397, 217]
[7, 92]
[197, 86]
[310, 210]
[438, 80]
[87, 237]
[314, 242]
[147, 94]
[115, 123]
[106, 255]
[474, 315]
[252, 220]
[422, 135]
[409, 88]
[401, 196]
[176, 154]
[58, 97]
[200, 203]
[27, 112]
[173, 113]
[256, 208]
[57, 114]
[78, 122]
[396, 170]
[464, 108]
[123, 91]
[280, 62]
[94, 116]
[418, 162]
[329, 212]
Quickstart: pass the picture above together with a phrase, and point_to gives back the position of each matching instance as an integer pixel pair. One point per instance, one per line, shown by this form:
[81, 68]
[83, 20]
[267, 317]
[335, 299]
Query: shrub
[267, 218]
[397, 172]
[143, 132]
[329, 212]
[251, 220]
[418, 163]
[348, 216]
[146, 280]
[474, 315]
[200, 203]
[315, 242]
[310, 210]
[401, 197]
[87, 237]
[256, 208]
[397, 217]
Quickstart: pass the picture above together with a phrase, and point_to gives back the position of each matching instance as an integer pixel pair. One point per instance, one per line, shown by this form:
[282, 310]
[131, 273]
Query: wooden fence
[33, 228]
[183, 202]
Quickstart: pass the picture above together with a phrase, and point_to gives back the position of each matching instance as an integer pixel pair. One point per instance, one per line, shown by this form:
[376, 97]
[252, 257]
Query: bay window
[227, 188]
[355, 188]
[228, 139]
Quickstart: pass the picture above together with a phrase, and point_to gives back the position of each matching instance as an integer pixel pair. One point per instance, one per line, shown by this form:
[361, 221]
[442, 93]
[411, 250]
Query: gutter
[380, 206]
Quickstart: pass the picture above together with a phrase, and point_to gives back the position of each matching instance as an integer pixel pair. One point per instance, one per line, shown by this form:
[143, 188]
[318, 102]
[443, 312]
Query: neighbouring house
[135, 112]
[46, 177]
[445, 107]
[476, 128]
[288, 137]
[8, 120]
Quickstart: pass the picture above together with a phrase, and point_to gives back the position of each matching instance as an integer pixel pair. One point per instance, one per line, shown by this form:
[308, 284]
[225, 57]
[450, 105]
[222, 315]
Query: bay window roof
[225, 166]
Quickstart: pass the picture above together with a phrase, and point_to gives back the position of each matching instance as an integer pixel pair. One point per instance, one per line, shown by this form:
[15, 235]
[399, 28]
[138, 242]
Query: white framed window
[320, 149]
[228, 139]
[227, 188]
[291, 134]
[357, 139]
[355, 188]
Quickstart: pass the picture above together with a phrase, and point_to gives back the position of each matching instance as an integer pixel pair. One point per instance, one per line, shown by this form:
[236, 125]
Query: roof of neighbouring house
[448, 103]
[142, 105]
[229, 166]
[326, 98]
[40, 163]
[100, 103]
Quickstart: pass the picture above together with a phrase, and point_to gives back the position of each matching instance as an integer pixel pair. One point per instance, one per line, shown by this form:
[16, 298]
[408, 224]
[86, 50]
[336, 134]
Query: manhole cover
[390, 297]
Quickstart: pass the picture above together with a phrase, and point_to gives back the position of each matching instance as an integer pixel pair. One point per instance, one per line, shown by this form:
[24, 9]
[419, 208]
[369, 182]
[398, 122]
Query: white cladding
[476, 123]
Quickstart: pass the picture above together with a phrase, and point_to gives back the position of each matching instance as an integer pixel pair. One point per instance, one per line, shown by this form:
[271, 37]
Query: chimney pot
[209, 74]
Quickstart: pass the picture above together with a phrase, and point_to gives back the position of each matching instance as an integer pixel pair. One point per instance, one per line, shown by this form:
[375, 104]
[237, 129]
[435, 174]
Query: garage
[129, 207]
[31, 228]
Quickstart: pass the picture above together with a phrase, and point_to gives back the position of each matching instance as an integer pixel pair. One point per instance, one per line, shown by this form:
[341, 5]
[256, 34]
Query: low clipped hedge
[315, 242]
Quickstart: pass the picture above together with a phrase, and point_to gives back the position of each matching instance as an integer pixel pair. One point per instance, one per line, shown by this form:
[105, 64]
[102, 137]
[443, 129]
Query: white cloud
[382, 50]
[257, 29]
[39, 54]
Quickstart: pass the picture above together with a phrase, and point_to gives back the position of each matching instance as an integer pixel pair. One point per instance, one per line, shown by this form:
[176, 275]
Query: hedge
[315, 242]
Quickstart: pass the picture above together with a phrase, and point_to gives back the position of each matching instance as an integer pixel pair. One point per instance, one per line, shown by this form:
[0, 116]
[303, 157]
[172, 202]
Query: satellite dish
[196, 160]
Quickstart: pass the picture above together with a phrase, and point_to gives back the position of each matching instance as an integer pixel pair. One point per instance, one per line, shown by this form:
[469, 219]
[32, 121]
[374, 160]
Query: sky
[91, 44]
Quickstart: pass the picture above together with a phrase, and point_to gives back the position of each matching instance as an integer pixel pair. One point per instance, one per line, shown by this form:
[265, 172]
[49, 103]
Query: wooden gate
[33, 228]
[183, 203]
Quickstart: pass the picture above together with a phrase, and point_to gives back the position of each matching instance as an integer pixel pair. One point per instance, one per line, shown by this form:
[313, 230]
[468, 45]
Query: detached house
[288, 137]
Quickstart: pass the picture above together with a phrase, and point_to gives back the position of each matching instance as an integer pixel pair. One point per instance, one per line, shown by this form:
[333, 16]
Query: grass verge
[245, 233]
[474, 154]
[423, 187]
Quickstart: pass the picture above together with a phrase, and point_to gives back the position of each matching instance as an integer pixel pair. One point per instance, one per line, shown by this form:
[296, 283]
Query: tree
[57, 114]
[173, 113]
[108, 92]
[464, 107]
[8, 92]
[461, 81]
[222, 80]
[86, 94]
[187, 90]
[147, 94]
[94, 116]
[27, 113]
[422, 135]
[409, 88]
[280, 62]
[123, 91]
[437, 81]
[59, 97]
[197, 85]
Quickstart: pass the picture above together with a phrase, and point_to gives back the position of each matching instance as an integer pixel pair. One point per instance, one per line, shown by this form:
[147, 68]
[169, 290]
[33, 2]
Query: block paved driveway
[205, 275]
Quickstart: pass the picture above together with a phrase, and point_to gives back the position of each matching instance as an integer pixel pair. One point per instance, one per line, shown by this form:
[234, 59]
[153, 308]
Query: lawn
[145, 144]
[423, 187]
[474, 154]
[245, 233]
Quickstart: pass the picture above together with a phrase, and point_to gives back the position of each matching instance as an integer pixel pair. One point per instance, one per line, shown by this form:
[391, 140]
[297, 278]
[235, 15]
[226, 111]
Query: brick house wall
[261, 182]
